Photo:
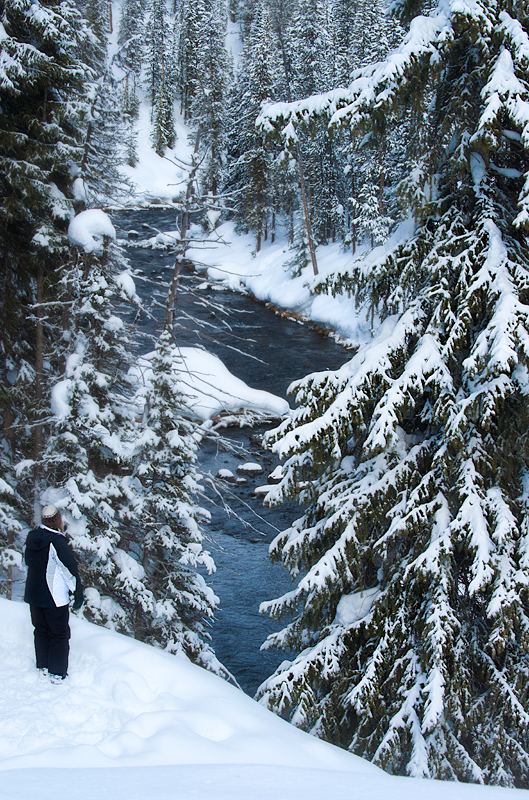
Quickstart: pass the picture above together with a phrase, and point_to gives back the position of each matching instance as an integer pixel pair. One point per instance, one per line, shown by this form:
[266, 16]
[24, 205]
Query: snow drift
[209, 388]
[173, 730]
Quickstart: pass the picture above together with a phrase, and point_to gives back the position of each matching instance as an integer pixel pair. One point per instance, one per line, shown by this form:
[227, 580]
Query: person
[52, 573]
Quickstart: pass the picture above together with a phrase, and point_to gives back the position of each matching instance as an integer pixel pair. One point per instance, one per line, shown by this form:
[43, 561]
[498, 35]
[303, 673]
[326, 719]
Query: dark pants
[52, 634]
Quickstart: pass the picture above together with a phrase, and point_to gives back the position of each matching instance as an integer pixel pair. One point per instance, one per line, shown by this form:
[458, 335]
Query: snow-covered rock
[226, 475]
[250, 468]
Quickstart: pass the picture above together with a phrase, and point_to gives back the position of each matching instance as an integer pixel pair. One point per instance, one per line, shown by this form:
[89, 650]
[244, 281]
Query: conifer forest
[396, 130]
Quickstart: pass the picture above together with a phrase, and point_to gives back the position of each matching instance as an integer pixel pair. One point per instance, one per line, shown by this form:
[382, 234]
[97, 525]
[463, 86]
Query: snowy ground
[134, 722]
[157, 179]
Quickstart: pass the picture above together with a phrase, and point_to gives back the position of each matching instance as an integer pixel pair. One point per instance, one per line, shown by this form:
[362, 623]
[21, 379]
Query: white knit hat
[48, 512]
[51, 518]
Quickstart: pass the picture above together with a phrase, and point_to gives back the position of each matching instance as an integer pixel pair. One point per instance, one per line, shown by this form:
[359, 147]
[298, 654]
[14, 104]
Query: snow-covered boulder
[226, 475]
[250, 468]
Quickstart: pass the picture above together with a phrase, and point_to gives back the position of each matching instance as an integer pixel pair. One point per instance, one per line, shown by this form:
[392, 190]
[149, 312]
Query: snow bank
[268, 275]
[133, 722]
[89, 227]
[210, 388]
[158, 179]
[128, 704]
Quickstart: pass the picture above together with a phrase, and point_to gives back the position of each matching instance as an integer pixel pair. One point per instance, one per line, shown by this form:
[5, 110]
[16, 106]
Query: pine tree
[122, 469]
[130, 39]
[191, 24]
[208, 108]
[87, 449]
[309, 46]
[252, 166]
[159, 68]
[130, 54]
[163, 133]
[11, 512]
[412, 616]
[41, 106]
[97, 14]
[176, 605]
[37, 128]
[361, 34]
[105, 150]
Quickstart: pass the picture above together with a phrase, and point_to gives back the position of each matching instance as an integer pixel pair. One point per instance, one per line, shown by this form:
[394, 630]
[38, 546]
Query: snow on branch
[88, 229]
[374, 86]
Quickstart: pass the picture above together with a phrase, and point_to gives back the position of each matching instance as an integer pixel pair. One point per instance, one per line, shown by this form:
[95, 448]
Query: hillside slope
[134, 722]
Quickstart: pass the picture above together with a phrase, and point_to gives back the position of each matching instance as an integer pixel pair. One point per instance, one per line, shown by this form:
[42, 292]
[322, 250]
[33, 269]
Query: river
[268, 352]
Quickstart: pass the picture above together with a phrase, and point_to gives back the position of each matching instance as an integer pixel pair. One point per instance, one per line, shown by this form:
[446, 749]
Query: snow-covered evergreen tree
[208, 109]
[38, 128]
[191, 28]
[252, 165]
[87, 451]
[173, 603]
[130, 53]
[361, 33]
[158, 52]
[122, 470]
[309, 47]
[41, 108]
[106, 147]
[11, 512]
[412, 616]
[97, 15]
[163, 132]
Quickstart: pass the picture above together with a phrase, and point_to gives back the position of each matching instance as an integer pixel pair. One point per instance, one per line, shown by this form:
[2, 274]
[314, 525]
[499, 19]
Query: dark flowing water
[267, 352]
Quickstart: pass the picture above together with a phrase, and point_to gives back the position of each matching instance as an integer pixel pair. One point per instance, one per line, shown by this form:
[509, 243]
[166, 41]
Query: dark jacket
[52, 569]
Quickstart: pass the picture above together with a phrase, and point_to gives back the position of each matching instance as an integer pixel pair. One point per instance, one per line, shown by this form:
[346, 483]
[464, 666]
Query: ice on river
[132, 722]
[209, 387]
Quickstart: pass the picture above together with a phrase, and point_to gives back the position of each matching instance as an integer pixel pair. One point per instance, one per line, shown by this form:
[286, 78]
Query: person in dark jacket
[52, 575]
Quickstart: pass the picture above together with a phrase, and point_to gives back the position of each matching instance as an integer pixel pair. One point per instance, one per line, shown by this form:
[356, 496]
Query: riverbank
[230, 258]
[269, 276]
[268, 352]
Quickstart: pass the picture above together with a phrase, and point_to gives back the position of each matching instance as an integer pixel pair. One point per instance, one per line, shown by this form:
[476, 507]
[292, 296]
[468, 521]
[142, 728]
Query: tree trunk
[9, 582]
[8, 434]
[184, 227]
[306, 212]
[88, 260]
[381, 193]
[39, 371]
[259, 221]
[8, 431]
[353, 225]
[66, 319]
[382, 179]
